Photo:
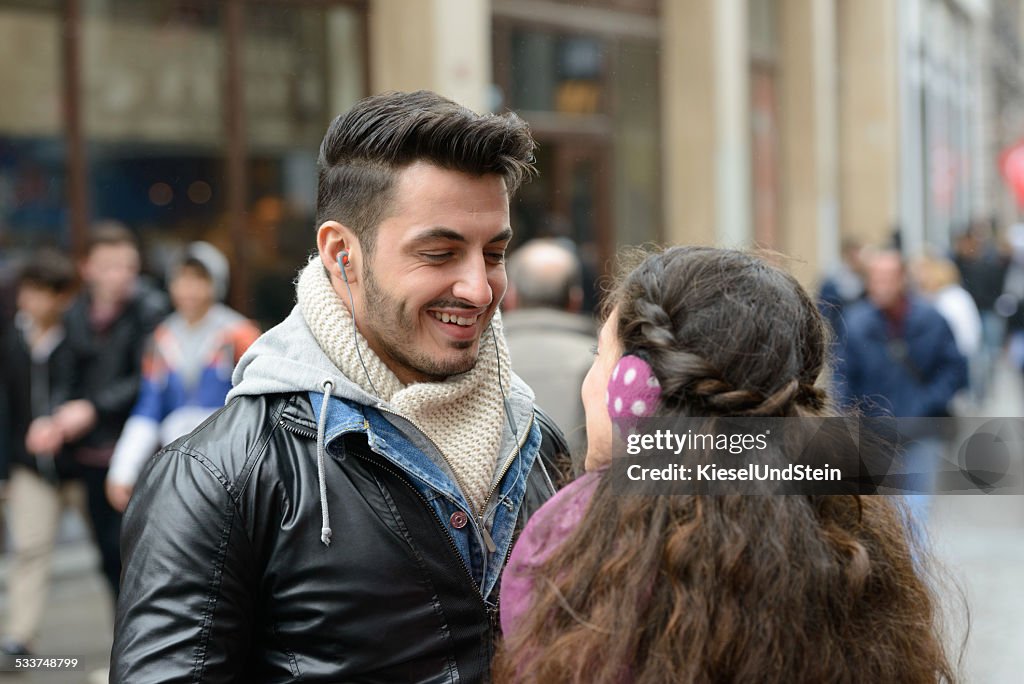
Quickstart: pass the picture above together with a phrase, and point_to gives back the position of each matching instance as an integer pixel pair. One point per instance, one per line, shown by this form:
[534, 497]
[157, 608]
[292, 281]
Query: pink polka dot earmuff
[633, 392]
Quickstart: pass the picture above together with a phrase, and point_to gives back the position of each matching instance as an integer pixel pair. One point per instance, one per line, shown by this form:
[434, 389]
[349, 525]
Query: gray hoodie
[287, 358]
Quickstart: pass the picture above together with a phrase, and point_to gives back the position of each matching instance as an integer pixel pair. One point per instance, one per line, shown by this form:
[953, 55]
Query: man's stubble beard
[389, 323]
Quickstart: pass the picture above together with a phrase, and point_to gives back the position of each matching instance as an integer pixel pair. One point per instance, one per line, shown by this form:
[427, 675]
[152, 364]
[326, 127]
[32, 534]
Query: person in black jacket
[40, 474]
[107, 327]
[347, 515]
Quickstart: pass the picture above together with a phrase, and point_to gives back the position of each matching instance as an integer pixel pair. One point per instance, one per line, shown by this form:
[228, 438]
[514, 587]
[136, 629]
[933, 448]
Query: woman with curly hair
[728, 588]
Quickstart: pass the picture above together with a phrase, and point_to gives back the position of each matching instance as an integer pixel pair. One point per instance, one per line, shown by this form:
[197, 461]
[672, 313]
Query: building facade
[184, 119]
[787, 124]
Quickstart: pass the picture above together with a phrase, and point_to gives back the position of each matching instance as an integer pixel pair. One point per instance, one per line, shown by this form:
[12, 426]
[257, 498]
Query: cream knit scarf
[463, 415]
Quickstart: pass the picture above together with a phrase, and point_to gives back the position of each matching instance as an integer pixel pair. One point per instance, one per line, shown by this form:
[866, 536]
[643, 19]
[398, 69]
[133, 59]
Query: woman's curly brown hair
[729, 588]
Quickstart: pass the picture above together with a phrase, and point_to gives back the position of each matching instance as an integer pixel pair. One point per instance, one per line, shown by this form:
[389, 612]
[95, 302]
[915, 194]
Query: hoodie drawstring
[325, 531]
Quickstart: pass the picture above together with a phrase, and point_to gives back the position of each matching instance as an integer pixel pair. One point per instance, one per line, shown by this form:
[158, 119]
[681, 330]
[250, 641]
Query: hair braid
[669, 320]
[696, 383]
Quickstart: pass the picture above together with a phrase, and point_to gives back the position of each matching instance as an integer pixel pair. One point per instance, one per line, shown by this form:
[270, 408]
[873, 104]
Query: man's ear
[331, 238]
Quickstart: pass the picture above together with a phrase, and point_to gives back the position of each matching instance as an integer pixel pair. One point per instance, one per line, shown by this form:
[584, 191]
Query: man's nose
[472, 285]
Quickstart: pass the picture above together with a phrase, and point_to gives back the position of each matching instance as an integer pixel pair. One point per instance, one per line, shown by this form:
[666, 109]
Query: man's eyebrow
[438, 233]
[503, 236]
[442, 233]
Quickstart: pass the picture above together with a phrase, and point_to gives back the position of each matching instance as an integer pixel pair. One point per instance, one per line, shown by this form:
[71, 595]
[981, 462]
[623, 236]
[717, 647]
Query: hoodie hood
[287, 358]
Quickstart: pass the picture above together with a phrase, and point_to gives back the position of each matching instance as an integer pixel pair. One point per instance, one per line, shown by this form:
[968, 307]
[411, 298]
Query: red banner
[1012, 166]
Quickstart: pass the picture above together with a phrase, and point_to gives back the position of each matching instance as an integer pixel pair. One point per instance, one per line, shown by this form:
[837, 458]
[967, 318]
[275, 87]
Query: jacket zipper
[447, 534]
[508, 464]
[488, 539]
[451, 542]
[488, 611]
[295, 429]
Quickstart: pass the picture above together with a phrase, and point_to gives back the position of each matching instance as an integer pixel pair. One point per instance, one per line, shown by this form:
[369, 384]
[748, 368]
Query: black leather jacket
[31, 389]
[234, 586]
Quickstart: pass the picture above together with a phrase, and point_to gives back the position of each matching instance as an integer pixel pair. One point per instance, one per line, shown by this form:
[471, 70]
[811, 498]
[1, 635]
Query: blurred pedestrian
[900, 358]
[551, 344]
[187, 369]
[41, 475]
[983, 263]
[844, 286]
[107, 327]
[938, 281]
[608, 589]
[1010, 303]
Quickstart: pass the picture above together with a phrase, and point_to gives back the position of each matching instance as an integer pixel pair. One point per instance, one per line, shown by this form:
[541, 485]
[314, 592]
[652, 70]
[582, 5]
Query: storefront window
[32, 151]
[155, 112]
[152, 115]
[557, 73]
[303, 66]
[636, 124]
[592, 103]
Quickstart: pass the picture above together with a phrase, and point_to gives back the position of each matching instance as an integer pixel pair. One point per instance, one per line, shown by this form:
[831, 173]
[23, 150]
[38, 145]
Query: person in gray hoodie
[347, 515]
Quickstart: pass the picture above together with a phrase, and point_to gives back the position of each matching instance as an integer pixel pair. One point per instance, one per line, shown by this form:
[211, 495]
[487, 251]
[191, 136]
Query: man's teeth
[457, 320]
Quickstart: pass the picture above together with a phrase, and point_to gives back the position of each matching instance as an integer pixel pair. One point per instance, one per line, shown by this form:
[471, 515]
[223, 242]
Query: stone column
[810, 165]
[869, 140]
[440, 45]
[706, 122]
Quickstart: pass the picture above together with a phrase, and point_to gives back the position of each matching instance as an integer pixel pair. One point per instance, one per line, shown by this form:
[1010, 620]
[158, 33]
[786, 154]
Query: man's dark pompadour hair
[365, 147]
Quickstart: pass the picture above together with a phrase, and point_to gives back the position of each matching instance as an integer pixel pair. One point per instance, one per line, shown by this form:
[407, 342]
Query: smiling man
[445, 266]
[347, 515]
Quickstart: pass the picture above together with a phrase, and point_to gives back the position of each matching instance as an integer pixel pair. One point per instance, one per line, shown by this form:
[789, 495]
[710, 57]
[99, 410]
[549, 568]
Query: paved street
[980, 541]
[78, 621]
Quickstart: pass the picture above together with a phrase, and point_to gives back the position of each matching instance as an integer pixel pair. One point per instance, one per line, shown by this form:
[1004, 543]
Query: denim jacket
[403, 444]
